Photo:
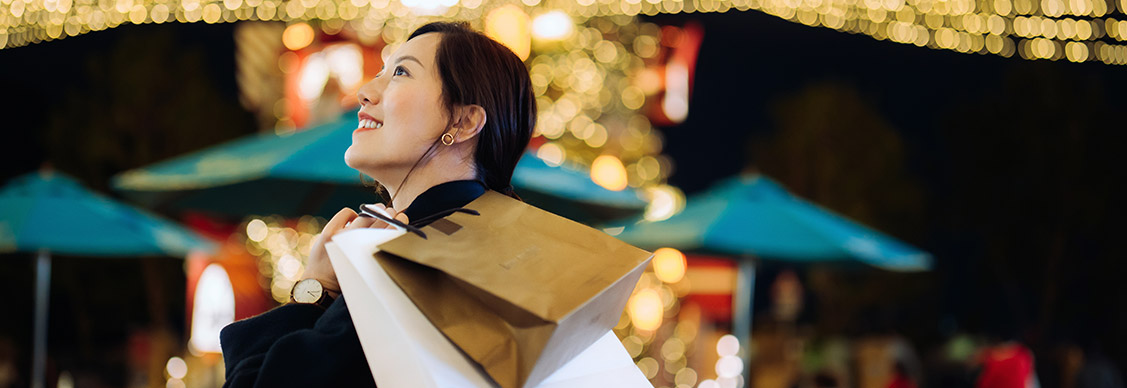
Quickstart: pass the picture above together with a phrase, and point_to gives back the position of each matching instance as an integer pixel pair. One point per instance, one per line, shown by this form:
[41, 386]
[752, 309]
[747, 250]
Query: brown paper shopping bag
[521, 291]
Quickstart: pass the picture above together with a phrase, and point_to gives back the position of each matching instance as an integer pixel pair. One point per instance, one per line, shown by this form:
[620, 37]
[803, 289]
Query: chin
[356, 160]
[363, 163]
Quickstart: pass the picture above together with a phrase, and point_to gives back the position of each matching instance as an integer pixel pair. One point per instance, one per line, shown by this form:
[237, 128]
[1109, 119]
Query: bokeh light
[669, 265]
[176, 367]
[665, 201]
[728, 345]
[298, 36]
[607, 171]
[552, 25]
[510, 26]
[645, 310]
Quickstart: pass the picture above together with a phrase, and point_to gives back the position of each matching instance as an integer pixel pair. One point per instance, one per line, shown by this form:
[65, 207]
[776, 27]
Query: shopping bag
[404, 350]
[520, 290]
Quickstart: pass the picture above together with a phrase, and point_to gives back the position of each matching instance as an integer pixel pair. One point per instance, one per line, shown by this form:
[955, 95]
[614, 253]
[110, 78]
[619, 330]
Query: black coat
[301, 345]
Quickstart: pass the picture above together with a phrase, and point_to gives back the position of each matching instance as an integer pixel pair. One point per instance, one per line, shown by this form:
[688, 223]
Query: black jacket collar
[444, 196]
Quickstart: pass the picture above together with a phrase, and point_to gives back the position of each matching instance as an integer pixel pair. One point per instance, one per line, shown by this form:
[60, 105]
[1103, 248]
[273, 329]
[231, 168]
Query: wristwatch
[310, 291]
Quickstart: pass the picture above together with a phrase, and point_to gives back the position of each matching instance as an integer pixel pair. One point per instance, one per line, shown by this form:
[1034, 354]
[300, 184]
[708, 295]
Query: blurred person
[1097, 370]
[1006, 364]
[900, 376]
[8, 370]
[447, 119]
[826, 379]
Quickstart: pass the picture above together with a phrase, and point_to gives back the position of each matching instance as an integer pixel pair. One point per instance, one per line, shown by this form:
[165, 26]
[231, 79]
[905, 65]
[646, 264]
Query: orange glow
[510, 26]
[669, 265]
[607, 171]
[645, 310]
[297, 36]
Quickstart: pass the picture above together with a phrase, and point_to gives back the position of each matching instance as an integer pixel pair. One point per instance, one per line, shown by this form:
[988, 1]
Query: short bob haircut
[477, 70]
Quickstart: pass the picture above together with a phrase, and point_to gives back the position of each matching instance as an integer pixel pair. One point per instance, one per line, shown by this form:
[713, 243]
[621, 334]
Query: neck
[423, 178]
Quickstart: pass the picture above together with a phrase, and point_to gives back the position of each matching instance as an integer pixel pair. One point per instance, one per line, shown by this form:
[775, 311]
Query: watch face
[307, 291]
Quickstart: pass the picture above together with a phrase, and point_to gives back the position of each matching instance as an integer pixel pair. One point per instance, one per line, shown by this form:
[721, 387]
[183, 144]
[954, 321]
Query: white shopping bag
[404, 350]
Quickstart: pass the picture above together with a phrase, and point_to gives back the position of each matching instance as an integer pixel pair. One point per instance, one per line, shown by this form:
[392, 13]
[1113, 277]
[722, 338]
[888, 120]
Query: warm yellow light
[176, 367]
[675, 104]
[257, 230]
[551, 153]
[645, 310]
[665, 201]
[509, 25]
[297, 36]
[553, 25]
[669, 265]
[607, 171]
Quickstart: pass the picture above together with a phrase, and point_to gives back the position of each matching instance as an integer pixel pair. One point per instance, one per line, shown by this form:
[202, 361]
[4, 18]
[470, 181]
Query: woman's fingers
[362, 222]
[379, 224]
[339, 221]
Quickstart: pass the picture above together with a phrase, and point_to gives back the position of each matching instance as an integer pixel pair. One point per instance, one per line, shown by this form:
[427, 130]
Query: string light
[282, 250]
[958, 25]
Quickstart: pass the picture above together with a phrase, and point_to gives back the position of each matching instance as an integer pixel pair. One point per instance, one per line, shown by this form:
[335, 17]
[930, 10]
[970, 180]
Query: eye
[399, 70]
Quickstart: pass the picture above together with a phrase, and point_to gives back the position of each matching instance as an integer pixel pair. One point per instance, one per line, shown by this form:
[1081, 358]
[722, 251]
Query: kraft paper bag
[404, 350]
[521, 291]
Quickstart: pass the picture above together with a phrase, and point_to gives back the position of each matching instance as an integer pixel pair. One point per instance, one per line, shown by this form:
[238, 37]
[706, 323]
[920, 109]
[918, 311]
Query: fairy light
[283, 251]
[956, 25]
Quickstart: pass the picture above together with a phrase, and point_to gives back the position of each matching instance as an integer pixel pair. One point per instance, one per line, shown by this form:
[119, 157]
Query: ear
[468, 122]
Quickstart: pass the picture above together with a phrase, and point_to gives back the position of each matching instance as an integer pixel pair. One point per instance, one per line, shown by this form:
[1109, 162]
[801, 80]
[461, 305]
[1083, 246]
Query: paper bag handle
[380, 214]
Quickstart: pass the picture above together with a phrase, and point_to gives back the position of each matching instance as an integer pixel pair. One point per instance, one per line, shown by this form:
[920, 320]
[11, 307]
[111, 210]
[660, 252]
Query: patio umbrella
[752, 216]
[49, 212]
[290, 175]
[571, 193]
[304, 173]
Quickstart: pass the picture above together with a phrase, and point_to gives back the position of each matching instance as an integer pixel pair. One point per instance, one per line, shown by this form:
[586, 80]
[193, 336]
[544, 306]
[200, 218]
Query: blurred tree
[834, 148]
[1035, 177]
[154, 93]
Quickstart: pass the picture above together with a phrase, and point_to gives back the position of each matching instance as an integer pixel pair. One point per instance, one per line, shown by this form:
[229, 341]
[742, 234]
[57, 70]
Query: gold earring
[447, 138]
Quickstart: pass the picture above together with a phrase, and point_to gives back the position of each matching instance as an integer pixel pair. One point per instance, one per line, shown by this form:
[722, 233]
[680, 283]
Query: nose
[370, 92]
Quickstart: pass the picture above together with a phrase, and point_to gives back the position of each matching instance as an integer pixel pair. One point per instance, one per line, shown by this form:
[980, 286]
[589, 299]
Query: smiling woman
[447, 119]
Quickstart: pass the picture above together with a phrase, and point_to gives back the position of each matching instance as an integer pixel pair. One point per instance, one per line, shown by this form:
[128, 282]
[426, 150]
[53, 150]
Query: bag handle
[372, 212]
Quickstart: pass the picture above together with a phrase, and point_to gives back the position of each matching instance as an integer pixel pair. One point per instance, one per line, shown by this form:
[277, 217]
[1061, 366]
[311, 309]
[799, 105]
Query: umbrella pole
[742, 311]
[42, 292]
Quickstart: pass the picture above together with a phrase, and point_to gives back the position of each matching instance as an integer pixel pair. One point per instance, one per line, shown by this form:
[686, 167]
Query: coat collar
[444, 196]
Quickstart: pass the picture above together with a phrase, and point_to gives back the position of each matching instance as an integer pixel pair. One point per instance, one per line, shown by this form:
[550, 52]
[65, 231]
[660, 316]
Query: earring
[447, 138]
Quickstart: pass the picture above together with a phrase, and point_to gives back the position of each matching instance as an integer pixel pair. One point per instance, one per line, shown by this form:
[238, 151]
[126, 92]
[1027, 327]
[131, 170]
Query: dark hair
[477, 70]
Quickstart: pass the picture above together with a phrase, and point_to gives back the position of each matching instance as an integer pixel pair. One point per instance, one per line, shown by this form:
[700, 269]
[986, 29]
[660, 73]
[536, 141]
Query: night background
[1008, 171]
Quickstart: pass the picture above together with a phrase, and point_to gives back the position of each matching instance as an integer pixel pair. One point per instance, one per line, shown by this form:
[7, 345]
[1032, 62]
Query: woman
[447, 119]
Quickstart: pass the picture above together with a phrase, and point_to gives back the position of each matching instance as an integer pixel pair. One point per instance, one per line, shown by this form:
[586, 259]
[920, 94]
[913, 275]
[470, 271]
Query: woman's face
[401, 112]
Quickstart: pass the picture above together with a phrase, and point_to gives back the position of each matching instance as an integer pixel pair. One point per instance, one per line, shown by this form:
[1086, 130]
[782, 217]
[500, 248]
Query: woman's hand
[319, 266]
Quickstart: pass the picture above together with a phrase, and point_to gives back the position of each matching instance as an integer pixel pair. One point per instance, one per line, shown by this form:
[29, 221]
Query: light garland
[1076, 30]
[282, 251]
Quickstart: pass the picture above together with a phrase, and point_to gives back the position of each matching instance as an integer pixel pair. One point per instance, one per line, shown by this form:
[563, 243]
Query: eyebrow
[408, 57]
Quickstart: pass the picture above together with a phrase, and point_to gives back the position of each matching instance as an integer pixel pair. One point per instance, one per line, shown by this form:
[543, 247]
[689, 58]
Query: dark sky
[1011, 172]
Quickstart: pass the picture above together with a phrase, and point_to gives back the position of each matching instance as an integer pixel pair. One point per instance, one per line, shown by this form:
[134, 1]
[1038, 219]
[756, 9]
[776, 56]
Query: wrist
[313, 291]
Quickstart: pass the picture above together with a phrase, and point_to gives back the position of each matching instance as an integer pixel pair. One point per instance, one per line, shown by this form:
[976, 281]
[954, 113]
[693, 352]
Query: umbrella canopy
[753, 215]
[50, 211]
[291, 175]
[571, 193]
[305, 173]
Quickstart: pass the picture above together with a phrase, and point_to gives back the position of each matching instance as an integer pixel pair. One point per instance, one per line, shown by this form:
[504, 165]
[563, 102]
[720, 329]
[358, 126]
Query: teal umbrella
[48, 212]
[291, 175]
[571, 193]
[304, 173]
[752, 216]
